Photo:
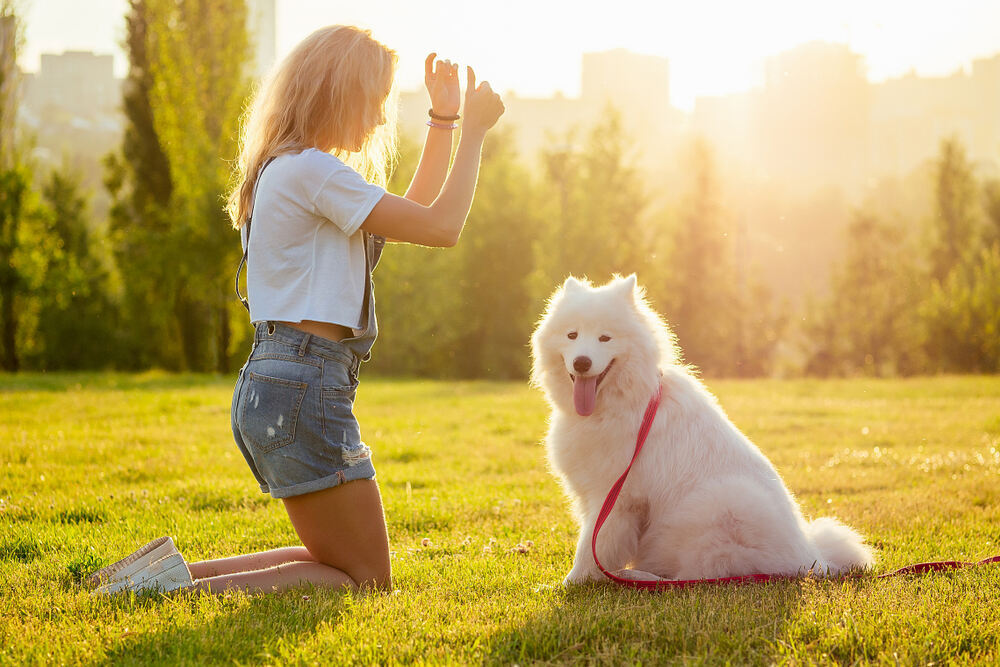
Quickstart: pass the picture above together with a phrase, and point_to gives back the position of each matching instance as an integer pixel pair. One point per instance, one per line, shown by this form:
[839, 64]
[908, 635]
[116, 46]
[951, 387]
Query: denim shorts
[293, 413]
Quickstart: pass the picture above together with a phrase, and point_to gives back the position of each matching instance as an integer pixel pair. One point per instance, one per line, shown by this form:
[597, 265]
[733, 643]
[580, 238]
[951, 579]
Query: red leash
[663, 584]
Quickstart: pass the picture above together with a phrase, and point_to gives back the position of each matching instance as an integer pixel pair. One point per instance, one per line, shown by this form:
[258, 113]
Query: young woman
[314, 216]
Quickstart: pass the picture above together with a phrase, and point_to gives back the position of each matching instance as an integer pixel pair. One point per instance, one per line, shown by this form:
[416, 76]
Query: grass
[91, 466]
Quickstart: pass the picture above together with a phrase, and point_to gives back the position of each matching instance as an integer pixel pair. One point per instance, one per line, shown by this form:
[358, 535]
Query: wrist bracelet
[430, 112]
[442, 126]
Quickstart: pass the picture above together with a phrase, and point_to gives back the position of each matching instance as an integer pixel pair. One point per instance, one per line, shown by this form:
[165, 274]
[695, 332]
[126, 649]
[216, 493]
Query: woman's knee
[365, 575]
[376, 578]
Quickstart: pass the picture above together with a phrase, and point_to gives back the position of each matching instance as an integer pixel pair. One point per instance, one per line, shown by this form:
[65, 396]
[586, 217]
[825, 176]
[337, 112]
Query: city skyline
[707, 57]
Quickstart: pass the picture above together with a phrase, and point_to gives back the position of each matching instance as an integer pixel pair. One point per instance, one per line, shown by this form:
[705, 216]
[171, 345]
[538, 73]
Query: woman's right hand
[483, 107]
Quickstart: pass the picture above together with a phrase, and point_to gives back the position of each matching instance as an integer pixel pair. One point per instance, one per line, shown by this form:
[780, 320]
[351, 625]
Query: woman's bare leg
[248, 562]
[277, 578]
[343, 530]
[344, 527]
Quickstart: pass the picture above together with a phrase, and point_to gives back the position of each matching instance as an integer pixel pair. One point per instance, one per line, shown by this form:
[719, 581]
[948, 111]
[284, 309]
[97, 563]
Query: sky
[534, 47]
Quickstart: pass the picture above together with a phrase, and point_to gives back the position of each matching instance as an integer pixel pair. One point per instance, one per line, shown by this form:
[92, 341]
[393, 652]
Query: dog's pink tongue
[584, 394]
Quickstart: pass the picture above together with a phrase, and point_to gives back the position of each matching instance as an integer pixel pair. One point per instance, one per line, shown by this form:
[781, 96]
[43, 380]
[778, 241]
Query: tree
[592, 204]
[13, 192]
[991, 205]
[963, 316]
[955, 225]
[14, 180]
[870, 324]
[495, 257]
[198, 54]
[186, 88]
[75, 327]
[697, 285]
[138, 179]
[465, 311]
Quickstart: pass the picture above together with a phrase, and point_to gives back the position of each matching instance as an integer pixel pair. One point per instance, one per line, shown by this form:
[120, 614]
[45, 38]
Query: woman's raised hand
[441, 80]
[483, 107]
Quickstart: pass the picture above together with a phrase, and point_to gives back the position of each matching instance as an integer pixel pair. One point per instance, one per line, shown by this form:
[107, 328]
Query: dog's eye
[571, 335]
[604, 339]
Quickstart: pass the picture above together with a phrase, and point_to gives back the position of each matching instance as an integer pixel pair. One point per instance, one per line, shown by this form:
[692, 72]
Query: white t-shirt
[307, 254]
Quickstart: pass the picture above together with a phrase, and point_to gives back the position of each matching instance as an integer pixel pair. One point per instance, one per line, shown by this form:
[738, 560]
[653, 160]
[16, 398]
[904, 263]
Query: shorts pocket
[270, 411]
[340, 426]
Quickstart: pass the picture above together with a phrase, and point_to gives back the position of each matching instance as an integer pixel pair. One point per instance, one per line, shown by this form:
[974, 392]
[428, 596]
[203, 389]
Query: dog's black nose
[581, 364]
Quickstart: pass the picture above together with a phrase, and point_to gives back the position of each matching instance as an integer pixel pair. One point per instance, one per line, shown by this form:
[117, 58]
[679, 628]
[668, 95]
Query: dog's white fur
[701, 500]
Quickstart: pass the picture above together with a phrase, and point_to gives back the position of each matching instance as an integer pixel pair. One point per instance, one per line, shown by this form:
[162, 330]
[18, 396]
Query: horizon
[920, 40]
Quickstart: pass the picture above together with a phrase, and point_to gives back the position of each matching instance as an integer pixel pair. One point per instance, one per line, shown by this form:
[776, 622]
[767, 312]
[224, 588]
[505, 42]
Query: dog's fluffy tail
[841, 548]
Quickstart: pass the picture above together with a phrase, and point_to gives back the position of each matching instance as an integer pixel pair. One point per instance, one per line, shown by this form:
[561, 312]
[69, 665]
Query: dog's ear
[572, 285]
[626, 286]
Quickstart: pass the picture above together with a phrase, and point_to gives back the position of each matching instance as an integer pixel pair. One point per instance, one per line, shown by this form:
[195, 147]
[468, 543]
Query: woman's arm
[442, 86]
[440, 223]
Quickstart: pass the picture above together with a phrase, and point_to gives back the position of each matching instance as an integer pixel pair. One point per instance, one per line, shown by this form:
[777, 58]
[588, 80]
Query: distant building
[80, 82]
[636, 86]
[261, 26]
[72, 106]
[819, 122]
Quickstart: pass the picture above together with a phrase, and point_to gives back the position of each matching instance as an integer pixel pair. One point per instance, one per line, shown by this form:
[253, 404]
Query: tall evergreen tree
[870, 323]
[464, 311]
[75, 328]
[699, 290]
[198, 56]
[183, 96]
[14, 182]
[138, 179]
[593, 209]
[955, 223]
[963, 316]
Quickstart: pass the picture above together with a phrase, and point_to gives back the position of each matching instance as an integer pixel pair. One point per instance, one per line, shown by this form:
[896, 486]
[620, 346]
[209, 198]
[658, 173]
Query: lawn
[94, 465]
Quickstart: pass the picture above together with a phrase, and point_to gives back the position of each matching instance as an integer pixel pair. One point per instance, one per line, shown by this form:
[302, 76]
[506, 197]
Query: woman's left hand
[441, 80]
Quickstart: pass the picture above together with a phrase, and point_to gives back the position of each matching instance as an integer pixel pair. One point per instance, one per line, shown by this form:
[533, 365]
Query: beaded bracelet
[430, 112]
[442, 126]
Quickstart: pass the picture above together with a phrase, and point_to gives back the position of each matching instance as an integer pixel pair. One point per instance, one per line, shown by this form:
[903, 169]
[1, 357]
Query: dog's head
[596, 343]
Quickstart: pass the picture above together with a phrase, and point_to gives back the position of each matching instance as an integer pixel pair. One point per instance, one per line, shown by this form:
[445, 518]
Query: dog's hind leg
[616, 545]
[729, 527]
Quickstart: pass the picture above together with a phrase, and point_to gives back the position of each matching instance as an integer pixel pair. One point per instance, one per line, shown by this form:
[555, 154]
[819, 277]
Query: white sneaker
[155, 565]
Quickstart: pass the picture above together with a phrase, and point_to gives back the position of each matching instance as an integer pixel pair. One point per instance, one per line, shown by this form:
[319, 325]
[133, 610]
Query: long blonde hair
[337, 83]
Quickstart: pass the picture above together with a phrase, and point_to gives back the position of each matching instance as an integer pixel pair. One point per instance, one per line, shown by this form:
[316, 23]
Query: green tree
[955, 225]
[963, 315]
[703, 281]
[465, 311]
[14, 183]
[198, 55]
[697, 286]
[13, 193]
[870, 323]
[75, 326]
[414, 290]
[495, 313]
[593, 205]
[991, 206]
[138, 179]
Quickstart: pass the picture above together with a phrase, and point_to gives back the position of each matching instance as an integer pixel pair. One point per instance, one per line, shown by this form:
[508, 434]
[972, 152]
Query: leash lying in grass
[666, 584]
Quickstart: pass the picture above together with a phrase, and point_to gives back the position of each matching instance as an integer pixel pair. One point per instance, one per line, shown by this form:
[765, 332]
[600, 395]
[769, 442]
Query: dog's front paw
[577, 577]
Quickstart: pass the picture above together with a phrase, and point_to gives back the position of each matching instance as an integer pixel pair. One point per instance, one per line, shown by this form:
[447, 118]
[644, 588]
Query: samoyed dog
[701, 501]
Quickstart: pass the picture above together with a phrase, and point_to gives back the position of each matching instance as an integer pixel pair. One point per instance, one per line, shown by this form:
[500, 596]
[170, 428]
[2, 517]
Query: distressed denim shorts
[293, 413]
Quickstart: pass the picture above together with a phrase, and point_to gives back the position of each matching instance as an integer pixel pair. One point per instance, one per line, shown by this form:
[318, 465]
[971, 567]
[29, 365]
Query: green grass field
[92, 466]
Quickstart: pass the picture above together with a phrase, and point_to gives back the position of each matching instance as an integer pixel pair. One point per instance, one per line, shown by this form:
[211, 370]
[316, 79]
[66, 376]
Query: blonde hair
[336, 84]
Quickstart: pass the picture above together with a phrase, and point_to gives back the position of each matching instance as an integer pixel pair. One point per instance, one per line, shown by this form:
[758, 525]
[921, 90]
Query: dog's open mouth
[585, 390]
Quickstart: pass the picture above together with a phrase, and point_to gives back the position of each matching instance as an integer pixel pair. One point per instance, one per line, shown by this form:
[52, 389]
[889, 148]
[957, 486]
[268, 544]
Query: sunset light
[534, 48]
[548, 332]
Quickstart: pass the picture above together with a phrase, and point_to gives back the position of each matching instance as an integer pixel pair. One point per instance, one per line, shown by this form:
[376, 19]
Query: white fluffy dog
[701, 500]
